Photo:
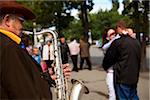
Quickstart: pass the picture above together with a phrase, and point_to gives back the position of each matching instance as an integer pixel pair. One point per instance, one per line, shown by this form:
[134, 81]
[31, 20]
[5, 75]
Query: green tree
[115, 5]
[99, 23]
[138, 11]
[49, 13]
[84, 6]
[74, 30]
[103, 20]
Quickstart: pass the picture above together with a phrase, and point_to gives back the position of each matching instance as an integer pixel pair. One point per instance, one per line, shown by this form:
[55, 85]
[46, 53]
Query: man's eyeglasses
[21, 18]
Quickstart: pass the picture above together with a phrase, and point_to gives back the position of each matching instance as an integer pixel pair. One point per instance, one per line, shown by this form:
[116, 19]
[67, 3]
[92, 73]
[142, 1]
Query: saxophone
[62, 90]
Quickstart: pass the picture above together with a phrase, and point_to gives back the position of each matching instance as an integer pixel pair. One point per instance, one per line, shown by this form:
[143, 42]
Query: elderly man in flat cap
[20, 78]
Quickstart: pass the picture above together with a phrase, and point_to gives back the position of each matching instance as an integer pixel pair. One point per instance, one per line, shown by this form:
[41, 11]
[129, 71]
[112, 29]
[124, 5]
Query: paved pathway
[95, 79]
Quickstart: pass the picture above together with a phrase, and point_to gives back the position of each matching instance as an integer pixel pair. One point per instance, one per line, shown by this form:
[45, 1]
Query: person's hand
[52, 75]
[67, 70]
[133, 35]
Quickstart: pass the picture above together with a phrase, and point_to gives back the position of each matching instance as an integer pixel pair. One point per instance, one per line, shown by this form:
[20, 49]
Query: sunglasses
[112, 34]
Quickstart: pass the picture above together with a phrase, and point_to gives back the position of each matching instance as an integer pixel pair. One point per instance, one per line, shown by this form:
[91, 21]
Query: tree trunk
[84, 19]
[140, 29]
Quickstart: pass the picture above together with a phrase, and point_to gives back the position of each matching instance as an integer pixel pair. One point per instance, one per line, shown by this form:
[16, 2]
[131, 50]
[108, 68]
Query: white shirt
[90, 37]
[45, 52]
[74, 47]
[106, 46]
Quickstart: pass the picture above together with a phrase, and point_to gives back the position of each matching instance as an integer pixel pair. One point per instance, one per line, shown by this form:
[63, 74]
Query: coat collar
[11, 35]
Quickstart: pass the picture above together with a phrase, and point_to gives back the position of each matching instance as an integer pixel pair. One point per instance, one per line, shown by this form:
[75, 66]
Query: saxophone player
[20, 78]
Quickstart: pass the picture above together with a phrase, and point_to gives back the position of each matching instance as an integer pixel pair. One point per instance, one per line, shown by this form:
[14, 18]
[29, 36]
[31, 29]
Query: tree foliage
[115, 5]
[49, 13]
[74, 30]
[57, 13]
[138, 11]
[99, 23]
[83, 6]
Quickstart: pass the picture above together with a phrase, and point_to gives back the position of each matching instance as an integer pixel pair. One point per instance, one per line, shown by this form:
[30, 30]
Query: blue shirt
[37, 58]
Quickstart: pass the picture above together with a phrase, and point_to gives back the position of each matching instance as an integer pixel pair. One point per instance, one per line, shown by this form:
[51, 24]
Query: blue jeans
[126, 92]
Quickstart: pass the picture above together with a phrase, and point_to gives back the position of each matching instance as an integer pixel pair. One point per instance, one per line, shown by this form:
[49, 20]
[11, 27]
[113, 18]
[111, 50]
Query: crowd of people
[71, 50]
[21, 69]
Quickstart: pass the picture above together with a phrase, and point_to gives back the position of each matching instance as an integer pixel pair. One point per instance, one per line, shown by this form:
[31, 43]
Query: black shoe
[80, 68]
[90, 69]
[75, 70]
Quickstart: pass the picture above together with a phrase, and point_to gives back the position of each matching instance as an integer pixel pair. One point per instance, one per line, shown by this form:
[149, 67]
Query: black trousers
[87, 61]
[75, 62]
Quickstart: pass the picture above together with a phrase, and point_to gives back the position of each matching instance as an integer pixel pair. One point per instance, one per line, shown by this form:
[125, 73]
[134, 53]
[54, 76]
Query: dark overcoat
[19, 77]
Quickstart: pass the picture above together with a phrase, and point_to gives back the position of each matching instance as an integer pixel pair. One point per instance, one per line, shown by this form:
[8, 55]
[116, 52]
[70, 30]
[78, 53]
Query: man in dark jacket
[64, 48]
[124, 56]
[19, 75]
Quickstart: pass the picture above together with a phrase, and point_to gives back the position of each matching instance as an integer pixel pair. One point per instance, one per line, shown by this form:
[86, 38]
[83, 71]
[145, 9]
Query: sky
[101, 4]
[105, 5]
